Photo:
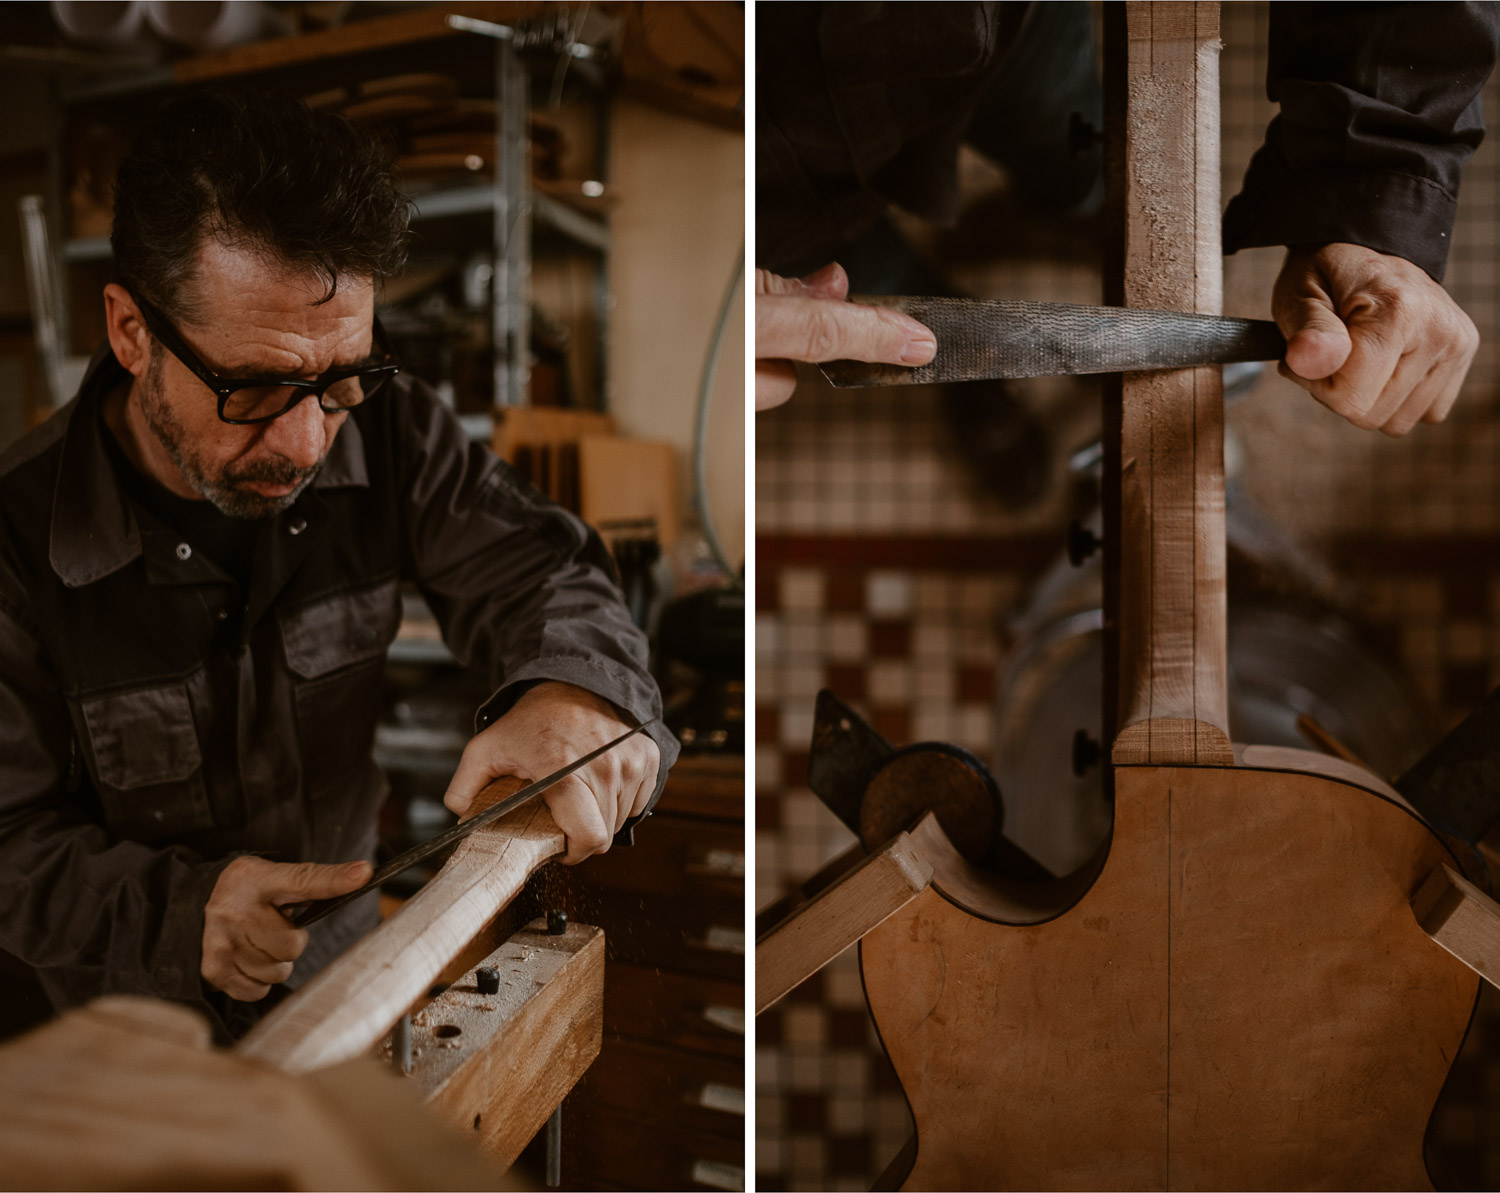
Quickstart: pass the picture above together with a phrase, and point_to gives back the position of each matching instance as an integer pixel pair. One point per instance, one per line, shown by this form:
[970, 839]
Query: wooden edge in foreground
[843, 913]
[496, 1065]
[127, 1093]
[345, 1010]
[1461, 918]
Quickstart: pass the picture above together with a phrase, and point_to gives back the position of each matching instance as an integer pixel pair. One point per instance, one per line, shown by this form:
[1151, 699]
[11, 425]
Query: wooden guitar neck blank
[346, 1009]
[1173, 663]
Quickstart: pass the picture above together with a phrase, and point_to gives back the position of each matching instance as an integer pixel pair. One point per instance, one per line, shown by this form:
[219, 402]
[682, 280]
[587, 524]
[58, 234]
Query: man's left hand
[547, 728]
[1371, 336]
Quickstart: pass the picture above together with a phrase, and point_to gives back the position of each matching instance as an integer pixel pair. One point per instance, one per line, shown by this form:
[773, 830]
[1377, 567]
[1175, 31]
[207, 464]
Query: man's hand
[548, 727]
[248, 946]
[1372, 337]
[810, 319]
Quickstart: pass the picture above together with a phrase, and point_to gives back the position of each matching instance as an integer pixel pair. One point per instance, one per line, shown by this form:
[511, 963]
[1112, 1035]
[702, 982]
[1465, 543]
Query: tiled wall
[889, 573]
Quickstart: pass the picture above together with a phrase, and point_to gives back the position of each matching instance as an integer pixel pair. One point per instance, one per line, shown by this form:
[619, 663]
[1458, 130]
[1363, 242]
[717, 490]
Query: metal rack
[514, 206]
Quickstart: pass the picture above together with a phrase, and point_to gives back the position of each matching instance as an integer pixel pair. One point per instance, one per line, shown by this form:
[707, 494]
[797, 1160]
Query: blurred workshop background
[575, 292]
[911, 557]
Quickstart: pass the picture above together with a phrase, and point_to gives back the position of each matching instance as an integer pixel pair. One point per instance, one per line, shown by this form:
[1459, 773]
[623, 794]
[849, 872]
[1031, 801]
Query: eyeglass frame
[224, 388]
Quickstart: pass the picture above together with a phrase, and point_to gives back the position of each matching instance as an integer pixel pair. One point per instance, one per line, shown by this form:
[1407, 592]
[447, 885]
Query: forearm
[1380, 110]
[523, 590]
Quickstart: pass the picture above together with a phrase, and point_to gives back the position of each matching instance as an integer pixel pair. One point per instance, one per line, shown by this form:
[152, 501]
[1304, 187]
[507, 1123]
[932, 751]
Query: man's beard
[220, 489]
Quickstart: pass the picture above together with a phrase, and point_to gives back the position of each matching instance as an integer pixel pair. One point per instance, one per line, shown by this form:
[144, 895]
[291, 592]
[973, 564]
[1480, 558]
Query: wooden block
[1461, 918]
[496, 1066]
[545, 426]
[842, 914]
[541, 443]
[629, 479]
[348, 1007]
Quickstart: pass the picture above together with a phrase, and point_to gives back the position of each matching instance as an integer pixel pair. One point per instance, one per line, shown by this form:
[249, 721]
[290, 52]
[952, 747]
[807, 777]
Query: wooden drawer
[675, 1009]
[696, 936]
[669, 1086]
[702, 785]
[675, 855]
[606, 1149]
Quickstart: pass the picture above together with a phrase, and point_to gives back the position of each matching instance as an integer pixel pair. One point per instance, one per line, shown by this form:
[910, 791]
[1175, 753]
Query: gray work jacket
[156, 720]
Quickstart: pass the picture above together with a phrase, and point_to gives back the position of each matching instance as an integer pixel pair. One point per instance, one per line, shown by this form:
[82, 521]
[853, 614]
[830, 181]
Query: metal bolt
[1082, 542]
[554, 1149]
[1086, 753]
[1082, 135]
[488, 979]
[401, 1044]
[557, 922]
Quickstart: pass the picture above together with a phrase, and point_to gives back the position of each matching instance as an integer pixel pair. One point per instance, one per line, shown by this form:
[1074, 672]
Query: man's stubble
[221, 489]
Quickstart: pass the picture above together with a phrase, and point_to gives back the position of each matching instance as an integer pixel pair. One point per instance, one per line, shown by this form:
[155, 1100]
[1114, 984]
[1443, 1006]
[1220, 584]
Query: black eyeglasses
[261, 399]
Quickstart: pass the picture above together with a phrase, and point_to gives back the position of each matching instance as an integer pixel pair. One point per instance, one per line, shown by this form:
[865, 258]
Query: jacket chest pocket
[335, 649]
[147, 762]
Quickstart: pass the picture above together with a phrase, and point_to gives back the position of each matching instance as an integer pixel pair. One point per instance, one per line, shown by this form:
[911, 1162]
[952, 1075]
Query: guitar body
[1238, 994]
[1241, 999]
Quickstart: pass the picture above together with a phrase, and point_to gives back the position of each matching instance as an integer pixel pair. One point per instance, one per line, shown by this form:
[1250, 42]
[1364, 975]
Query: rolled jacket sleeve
[523, 590]
[93, 914]
[1380, 109]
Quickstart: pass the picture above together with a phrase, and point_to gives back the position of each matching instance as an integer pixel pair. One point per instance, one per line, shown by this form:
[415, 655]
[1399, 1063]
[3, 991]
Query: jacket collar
[95, 531]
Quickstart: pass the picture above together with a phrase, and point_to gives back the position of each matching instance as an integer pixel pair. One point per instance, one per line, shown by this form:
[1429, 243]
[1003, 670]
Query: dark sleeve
[1380, 109]
[524, 591]
[93, 913]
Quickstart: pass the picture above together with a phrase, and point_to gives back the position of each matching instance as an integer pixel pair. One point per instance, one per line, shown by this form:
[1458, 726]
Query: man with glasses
[200, 563]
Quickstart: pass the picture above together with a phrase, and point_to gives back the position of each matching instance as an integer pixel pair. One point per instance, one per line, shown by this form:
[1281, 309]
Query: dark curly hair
[258, 170]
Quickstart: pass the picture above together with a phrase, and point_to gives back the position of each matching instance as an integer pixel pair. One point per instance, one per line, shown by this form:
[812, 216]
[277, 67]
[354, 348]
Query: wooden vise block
[1461, 918]
[498, 1064]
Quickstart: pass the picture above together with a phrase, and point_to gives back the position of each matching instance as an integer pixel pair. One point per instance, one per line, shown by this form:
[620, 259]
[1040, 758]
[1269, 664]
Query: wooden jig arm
[349, 1007]
[1461, 918]
[845, 908]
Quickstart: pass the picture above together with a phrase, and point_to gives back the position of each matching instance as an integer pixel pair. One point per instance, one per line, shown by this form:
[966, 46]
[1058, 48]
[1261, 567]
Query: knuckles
[822, 331]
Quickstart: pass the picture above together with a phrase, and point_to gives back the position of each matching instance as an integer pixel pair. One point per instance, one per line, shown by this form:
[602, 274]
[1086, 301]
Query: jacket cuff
[176, 963]
[633, 694]
[1401, 215]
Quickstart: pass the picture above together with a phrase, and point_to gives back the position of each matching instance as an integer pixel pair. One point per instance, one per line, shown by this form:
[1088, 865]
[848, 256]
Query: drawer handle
[730, 1019]
[730, 1099]
[718, 1176]
[718, 863]
[719, 939]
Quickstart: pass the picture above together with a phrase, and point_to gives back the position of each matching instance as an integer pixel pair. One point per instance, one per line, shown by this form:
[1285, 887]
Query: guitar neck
[1164, 169]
